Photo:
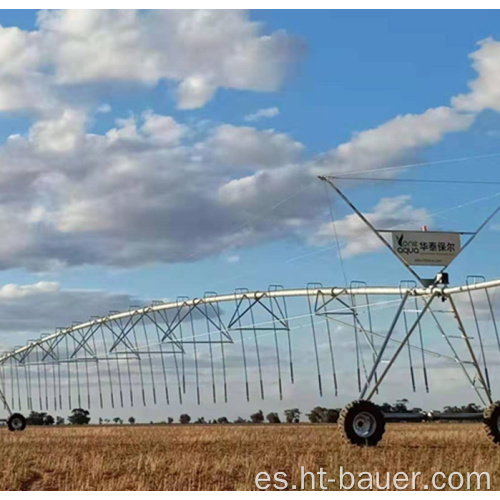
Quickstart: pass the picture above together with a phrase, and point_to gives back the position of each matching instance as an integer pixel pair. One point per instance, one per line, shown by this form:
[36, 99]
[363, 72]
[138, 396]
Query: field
[228, 457]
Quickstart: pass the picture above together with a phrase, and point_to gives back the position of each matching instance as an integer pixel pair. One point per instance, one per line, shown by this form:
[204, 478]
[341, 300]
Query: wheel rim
[16, 423]
[364, 424]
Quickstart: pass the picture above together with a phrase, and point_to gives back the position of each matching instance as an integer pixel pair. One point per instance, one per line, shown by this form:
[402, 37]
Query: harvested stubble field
[219, 457]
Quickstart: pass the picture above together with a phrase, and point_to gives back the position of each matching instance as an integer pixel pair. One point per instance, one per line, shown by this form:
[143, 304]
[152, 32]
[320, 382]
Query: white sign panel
[421, 248]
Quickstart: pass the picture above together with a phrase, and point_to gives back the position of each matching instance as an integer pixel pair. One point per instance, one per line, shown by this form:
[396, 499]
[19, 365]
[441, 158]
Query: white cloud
[28, 310]
[144, 191]
[199, 50]
[162, 128]
[393, 141]
[104, 108]
[485, 89]
[151, 189]
[262, 113]
[232, 145]
[389, 213]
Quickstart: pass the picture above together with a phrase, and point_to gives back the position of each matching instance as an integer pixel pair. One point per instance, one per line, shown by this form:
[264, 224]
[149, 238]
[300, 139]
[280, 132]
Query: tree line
[318, 414]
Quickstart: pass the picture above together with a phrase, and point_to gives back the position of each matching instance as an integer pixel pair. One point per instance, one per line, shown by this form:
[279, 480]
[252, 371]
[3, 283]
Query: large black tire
[16, 422]
[362, 423]
[491, 422]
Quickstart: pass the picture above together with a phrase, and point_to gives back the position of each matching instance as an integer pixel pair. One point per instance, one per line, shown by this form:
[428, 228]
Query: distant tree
[100, 420]
[222, 420]
[200, 420]
[468, 408]
[131, 420]
[79, 416]
[59, 420]
[292, 416]
[184, 418]
[36, 418]
[49, 420]
[107, 420]
[323, 415]
[257, 418]
[331, 416]
[273, 418]
[118, 420]
[240, 420]
[170, 420]
[316, 415]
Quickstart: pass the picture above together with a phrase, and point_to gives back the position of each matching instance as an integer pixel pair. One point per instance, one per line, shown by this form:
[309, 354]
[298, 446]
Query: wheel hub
[364, 424]
[17, 423]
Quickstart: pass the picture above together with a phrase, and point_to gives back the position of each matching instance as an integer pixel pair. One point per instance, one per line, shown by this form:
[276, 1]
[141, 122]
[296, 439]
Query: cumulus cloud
[150, 188]
[232, 145]
[28, 310]
[199, 50]
[389, 213]
[394, 141]
[262, 113]
[485, 89]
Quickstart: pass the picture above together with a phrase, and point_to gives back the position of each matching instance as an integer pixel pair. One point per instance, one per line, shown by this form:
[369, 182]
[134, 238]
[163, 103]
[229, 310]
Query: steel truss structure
[156, 353]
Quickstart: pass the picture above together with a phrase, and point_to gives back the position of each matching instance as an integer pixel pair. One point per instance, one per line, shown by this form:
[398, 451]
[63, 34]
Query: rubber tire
[346, 420]
[11, 419]
[491, 416]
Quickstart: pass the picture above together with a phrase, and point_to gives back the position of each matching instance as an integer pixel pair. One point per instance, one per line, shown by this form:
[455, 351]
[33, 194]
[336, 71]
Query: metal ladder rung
[463, 337]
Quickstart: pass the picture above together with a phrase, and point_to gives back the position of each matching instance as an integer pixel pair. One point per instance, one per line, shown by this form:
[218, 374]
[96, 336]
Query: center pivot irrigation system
[255, 343]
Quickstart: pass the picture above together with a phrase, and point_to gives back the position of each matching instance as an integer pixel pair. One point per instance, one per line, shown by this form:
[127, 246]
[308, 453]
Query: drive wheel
[16, 422]
[362, 423]
[491, 422]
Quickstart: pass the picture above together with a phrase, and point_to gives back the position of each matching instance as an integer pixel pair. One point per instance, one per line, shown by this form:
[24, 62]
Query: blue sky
[358, 70]
[332, 77]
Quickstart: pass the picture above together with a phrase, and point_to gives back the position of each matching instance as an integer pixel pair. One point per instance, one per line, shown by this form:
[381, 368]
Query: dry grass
[228, 457]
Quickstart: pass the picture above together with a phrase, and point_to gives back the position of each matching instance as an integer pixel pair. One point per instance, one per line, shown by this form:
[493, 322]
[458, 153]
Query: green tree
[257, 418]
[131, 420]
[184, 418]
[48, 420]
[59, 420]
[323, 415]
[79, 416]
[273, 418]
[292, 416]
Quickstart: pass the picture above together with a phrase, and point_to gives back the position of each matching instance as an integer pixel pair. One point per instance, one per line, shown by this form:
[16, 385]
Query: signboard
[421, 248]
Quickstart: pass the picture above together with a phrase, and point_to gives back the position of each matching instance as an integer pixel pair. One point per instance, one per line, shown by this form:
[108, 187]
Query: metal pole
[384, 345]
[471, 239]
[370, 225]
[471, 350]
[400, 348]
[456, 358]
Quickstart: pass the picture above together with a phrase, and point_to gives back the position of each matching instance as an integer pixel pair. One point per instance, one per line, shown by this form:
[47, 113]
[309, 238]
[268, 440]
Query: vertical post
[384, 345]
[400, 347]
[471, 350]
